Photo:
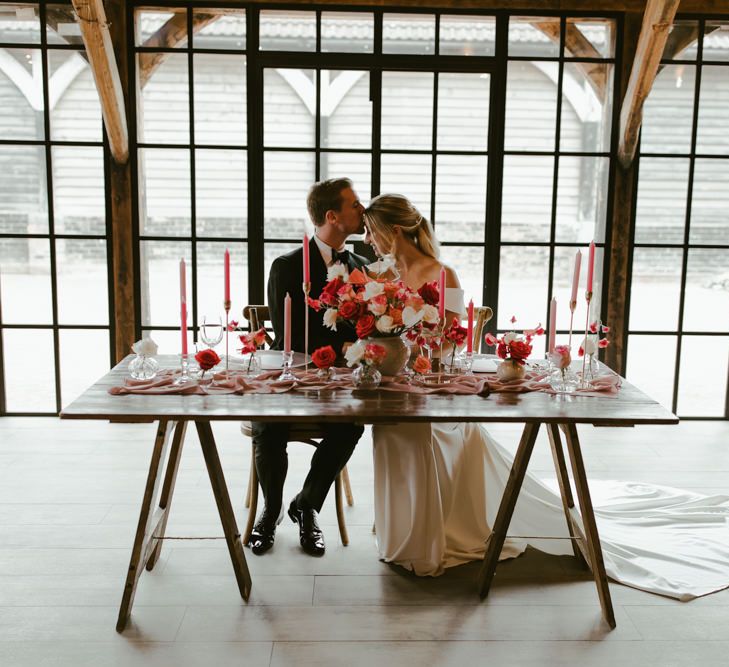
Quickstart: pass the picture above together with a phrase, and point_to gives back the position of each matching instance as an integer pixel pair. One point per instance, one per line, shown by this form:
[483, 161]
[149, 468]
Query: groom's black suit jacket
[287, 275]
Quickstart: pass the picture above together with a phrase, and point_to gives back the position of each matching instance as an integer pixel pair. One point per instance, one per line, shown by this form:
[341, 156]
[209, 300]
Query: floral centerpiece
[324, 358]
[594, 341]
[250, 343]
[144, 366]
[369, 356]
[514, 349]
[206, 359]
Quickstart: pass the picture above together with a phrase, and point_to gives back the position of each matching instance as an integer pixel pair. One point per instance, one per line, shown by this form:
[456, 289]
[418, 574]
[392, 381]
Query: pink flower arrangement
[561, 357]
[513, 346]
[252, 341]
[595, 339]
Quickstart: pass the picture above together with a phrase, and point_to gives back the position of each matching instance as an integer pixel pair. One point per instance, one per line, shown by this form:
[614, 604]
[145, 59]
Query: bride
[438, 486]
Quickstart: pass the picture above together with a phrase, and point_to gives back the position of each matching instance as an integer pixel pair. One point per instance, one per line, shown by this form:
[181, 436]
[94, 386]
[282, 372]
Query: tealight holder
[288, 359]
[184, 377]
[468, 363]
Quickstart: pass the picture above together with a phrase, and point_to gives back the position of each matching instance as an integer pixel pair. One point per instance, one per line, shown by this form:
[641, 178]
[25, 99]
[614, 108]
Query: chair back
[257, 316]
[481, 315]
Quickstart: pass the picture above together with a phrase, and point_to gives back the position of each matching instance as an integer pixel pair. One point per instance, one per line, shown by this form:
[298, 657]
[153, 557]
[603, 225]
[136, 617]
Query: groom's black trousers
[331, 455]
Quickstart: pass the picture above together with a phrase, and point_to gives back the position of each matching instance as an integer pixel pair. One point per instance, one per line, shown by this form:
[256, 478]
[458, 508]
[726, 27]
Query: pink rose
[561, 356]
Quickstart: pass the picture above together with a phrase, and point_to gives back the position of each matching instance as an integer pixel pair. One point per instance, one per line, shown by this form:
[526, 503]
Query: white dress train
[438, 488]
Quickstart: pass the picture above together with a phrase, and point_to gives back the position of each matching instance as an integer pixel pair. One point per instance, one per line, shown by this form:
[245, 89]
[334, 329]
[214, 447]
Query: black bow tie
[342, 257]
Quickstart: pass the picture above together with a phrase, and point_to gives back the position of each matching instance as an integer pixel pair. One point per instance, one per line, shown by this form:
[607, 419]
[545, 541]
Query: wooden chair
[257, 316]
[481, 315]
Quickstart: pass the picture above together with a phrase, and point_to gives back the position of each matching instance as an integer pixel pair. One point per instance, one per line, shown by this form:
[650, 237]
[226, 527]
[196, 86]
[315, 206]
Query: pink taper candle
[226, 264]
[305, 247]
[287, 323]
[590, 266]
[576, 276]
[441, 293]
[183, 306]
[552, 325]
[469, 329]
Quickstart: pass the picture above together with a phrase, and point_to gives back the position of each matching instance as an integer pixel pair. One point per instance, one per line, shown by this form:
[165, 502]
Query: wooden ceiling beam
[654, 31]
[169, 36]
[95, 32]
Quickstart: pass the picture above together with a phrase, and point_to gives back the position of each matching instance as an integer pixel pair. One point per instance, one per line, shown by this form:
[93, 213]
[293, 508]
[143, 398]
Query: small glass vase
[366, 377]
[143, 367]
[563, 380]
[252, 365]
[509, 370]
[326, 374]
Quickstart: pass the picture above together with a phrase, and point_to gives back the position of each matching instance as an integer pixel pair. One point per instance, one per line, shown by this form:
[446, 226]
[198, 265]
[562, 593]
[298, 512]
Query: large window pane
[534, 36]
[25, 281]
[467, 35]
[356, 166]
[21, 91]
[220, 99]
[589, 38]
[523, 283]
[711, 132]
[23, 198]
[682, 40]
[702, 380]
[347, 32]
[707, 291]
[164, 105]
[21, 25]
[527, 197]
[170, 342]
[149, 23]
[564, 268]
[78, 190]
[710, 202]
[75, 109]
[82, 277]
[210, 287]
[84, 360]
[716, 35]
[160, 282]
[531, 106]
[468, 262]
[346, 109]
[408, 175]
[408, 33]
[661, 208]
[587, 94]
[407, 110]
[463, 111]
[30, 376]
[227, 31]
[286, 30]
[655, 289]
[221, 192]
[460, 197]
[61, 24]
[668, 111]
[582, 199]
[651, 366]
[165, 182]
[287, 179]
[289, 105]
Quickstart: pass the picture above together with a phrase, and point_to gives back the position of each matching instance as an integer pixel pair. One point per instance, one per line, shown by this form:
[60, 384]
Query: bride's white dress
[438, 489]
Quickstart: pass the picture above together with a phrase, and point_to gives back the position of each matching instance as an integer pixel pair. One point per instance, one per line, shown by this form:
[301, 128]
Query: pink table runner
[267, 383]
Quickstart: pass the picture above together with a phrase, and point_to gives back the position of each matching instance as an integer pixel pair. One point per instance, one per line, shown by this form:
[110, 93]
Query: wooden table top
[631, 406]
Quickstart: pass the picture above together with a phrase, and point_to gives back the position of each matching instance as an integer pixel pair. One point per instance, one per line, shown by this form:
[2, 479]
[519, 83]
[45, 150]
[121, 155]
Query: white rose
[377, 308]
[330, 318]
[371, 289]
[145, 347]
[410, 316]
[385, 324]
[338, 270]
[509, 337]
[354, 353]
[589, 345]
[430, 314]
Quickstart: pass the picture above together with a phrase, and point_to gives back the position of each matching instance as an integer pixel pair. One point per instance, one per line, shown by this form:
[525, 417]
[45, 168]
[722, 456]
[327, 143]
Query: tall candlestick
[469, 329]
[287, 323]
[305, 248]
[226, 265]
[576, 278]
[441, 295]
[590, 266]
[552, 325]
[183, 306]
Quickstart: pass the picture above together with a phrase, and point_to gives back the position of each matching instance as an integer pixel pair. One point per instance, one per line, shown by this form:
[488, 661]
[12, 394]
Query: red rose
[456, 334]
[365, 325]
[519, 350]
[349, 310]
[332, 287]
[430, 293]
[324, 357]
[501, 350]
[207, 359]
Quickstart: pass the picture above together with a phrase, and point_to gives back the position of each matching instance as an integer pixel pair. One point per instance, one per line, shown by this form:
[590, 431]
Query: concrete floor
[69, 501]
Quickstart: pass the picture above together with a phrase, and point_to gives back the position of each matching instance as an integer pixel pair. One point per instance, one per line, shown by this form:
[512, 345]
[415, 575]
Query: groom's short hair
[326, 196]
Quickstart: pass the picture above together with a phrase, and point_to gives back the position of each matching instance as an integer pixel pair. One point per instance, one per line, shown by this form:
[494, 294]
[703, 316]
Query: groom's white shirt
[326, 250]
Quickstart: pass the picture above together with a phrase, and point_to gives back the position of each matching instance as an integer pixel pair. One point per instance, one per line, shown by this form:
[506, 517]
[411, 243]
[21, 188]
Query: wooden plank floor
[69, 500]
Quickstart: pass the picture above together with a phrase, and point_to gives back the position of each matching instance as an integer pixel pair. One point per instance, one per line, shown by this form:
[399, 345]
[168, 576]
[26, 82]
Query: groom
[336, 213]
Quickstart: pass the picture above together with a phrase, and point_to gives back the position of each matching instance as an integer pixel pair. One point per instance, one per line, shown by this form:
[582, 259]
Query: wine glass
[211, 330]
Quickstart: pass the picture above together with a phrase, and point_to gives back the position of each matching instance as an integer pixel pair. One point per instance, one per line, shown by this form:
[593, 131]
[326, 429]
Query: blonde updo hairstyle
[390, 210]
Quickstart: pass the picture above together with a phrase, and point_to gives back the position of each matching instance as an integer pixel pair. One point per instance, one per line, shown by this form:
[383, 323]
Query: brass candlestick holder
[306, 287]
[573, 307]
[588, 297]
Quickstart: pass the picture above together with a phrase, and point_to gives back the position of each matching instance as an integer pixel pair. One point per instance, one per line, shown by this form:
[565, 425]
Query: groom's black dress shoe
[310, 535]
[264, 532]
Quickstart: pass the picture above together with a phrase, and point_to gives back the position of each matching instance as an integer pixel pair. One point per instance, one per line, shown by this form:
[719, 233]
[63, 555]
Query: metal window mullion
[434, 143]
[317, 123]
[687, 226]
[193, 200]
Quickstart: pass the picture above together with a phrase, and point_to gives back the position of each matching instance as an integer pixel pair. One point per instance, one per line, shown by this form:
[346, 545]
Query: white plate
[271, 359]
[484, 363]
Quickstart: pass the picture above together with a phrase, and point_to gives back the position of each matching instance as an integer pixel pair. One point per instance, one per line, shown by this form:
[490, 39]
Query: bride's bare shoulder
[451, 276]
